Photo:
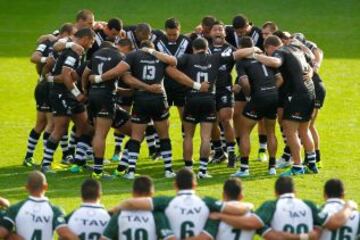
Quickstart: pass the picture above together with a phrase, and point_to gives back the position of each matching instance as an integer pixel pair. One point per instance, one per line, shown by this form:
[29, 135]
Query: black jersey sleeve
[240, 70]
[71, 60]
[226, 57]
[182, 61]
[130, 58]
[280, 55]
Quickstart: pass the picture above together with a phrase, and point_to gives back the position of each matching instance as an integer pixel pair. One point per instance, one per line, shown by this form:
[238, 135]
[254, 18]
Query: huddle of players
[282, 82]
[184, 216]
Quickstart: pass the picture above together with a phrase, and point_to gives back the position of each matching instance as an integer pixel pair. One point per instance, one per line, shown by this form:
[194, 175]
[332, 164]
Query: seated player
[186, 212]
[91, 218]
[36, 217]
[288, 215]
[139, 224]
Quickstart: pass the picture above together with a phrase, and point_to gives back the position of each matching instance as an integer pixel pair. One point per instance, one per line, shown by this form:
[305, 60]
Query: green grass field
[334, 25]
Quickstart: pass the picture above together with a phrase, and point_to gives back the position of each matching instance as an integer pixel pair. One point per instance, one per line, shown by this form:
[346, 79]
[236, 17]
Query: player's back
[349, 231]
[35, 218]
[137, 225]
[225, 231]
[89, 221]
[292, 215]
[187, 214]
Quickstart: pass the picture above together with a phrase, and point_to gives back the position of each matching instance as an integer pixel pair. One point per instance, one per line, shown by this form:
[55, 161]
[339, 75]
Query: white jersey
[142, 225]
[290, 214]
[34, 218]
[89, 221]
[349, 231]
[187, 213]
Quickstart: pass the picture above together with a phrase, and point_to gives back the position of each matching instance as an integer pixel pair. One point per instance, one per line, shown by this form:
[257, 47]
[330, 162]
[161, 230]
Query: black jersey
[44, 48]
[146, 67]
[68, 58]
[261, 78]
[100, 36]
[130, 34]
[234, 39]
[293, 68]
[181, 46]
[224, 79]
[203, 67]
[102, 61]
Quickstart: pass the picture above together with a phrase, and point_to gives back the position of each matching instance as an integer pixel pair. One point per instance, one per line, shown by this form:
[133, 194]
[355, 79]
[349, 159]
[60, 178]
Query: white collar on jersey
[335, 200]
[43, 198]
[287, 195]
[97, 205]
[186, 192]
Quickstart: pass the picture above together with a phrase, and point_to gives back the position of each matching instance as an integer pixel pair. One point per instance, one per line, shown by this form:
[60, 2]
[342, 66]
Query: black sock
[263, 142]
[310, 158]
[45, 137]
[188, 163]
[166, 154]
[287, 153]
[318, 157]
[82, 146]
[230, 147]
[49, 151]
[150, 139]
[119, 137]
[98, 164]
[217, 147]
[203, 165]
[244, 163]
[32, 142]
[237, 141]
[133, 153]
[272, 162]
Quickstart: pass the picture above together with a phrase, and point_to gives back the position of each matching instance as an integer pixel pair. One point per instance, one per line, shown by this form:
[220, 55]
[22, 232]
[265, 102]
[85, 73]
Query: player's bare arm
[268, 61]
[118, 70]
[170, 60]
[66, 233]
[185, 80]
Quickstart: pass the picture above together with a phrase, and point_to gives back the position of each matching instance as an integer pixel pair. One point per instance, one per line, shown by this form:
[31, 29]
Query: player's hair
[240, 21]
[85, 32]
[143, 28]
[172, 23]
[218, 22]
[66, 28]
[184, 179]
[246, 42]
[272, 41]
[281, 34]
[125, 42]
[232, 188]
[107, 44]
[90, 190]
[200, 44]
[273, 27]
[334, 188]
[36, 180]
[147, 43]
[284, 185]
[299, 36]
[115, 23]
[208, 21]
[143, 185]
[83, 14]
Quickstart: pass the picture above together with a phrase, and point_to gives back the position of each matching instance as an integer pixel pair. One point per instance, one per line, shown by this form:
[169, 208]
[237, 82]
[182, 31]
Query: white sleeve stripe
[223, 207]
[170, 236]
[253, 214]
[61, 225]
[151, 204]
[9, 219]
[207, 233]
[264, 233]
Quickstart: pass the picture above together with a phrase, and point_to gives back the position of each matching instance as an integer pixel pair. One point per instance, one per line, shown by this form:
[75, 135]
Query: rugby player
[139, 224]
[224, 97]
[259, 84]
[299, 96]
[186, 212]
[175, 44]
[43, 124]
[65, 99]
[200, 107]
[334, 194]
[149, 66]
[203, 30]
[35, 217]
[288, 214]
[88, 222]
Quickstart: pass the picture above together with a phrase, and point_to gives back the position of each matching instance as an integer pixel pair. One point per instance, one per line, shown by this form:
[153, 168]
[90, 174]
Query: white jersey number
[149, 72]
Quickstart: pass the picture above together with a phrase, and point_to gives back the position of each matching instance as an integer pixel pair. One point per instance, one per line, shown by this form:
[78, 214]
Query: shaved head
[36, 181]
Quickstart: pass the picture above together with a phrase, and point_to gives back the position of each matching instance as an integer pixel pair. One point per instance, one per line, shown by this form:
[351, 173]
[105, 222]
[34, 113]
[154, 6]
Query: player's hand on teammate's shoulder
[204, 87]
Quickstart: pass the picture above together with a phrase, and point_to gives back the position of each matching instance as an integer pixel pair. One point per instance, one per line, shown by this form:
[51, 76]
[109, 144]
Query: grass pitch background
[333, 25]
